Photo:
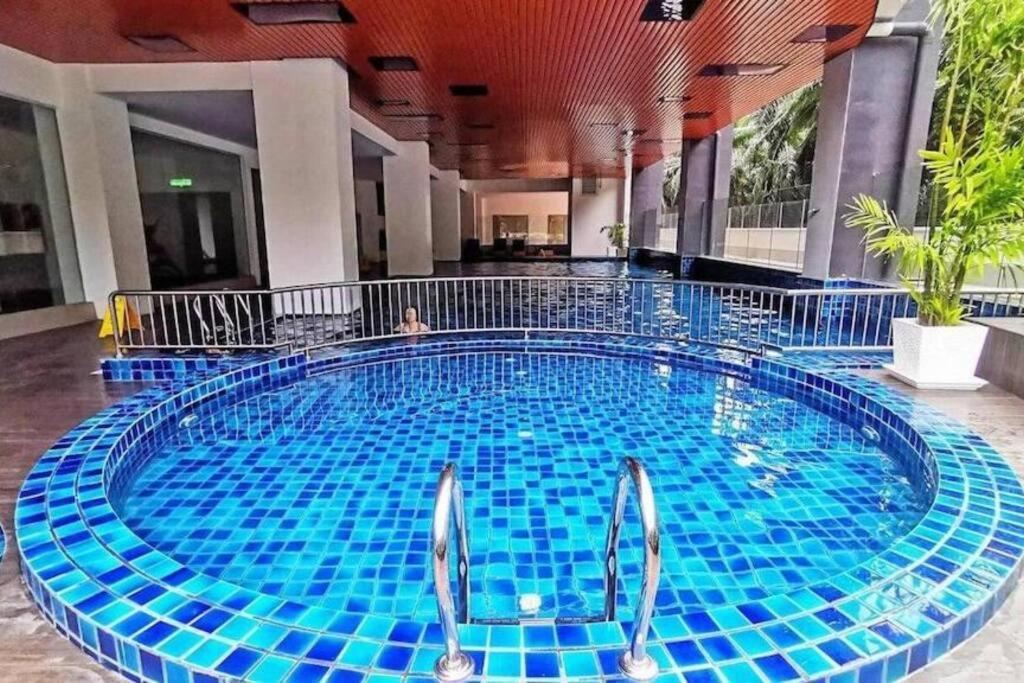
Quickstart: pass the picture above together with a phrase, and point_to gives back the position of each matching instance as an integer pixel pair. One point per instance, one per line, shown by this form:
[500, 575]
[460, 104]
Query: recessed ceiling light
[747, 69]
[161, 43]
[468, 90]
[273, 13]
[670, 10]
[394, 63]
[392, 102]
[825, 33]
[672, 99]
[634, 132]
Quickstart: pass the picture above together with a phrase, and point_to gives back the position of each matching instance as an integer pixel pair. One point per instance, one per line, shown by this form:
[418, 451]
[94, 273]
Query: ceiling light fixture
[161, 43]
[277, 13]
[696, 115]
[428, 116]
[394, 63]
[390, 102]
[670, 10]
[469, 90]
[825, 33]
[746, 69]
[673, 99]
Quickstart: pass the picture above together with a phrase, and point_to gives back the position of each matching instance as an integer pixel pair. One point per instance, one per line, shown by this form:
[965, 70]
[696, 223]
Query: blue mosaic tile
[929, 587]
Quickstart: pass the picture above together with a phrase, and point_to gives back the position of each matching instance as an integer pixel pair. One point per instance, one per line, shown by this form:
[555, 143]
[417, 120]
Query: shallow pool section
[930, 545]
[322, 492]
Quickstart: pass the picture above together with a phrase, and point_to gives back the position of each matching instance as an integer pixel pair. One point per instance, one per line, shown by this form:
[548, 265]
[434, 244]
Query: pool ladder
[634, 663]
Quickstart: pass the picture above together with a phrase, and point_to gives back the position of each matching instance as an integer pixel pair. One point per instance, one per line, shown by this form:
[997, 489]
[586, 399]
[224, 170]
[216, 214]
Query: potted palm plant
[976, 213]
[616, 237]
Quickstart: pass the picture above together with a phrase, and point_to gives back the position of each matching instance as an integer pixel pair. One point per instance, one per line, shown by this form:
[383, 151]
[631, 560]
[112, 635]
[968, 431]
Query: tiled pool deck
[140, 612]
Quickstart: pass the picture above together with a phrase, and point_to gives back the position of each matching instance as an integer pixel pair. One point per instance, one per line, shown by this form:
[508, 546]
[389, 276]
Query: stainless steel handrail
[454, 664]
[634, 663]
[732, 316]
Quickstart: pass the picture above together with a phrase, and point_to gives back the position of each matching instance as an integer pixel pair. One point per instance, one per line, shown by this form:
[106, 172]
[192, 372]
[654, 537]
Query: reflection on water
[322, 492]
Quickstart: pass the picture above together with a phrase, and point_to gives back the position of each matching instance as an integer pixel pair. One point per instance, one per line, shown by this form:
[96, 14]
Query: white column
[627, 189]
[446, 216]
[303, 128]
[102, 189]
[407, 210]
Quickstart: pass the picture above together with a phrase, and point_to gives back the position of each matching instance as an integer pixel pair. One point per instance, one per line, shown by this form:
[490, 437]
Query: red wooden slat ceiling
[554, 68]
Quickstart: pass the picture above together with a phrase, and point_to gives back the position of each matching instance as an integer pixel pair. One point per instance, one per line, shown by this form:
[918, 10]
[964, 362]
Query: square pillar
[705, 169]
[303, 128]
[445, 216]
[407, 212]
[646, 205]
[102, 188]
[873, 120]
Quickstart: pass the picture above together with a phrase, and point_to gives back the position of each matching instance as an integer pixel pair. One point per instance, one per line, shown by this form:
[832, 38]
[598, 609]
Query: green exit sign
[181, 182]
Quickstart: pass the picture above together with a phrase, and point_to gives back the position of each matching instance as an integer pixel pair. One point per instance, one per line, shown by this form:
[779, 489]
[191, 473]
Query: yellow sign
[127, 317]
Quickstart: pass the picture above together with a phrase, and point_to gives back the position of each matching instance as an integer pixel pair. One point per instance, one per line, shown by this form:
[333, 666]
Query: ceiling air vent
[424, 116]
[747, 69]
[696, 115]
[276, 13]
[392, 102]
[471, 90]
[160, 43]
[825, 33]
[480, 126]
[396, 63]
[670, 10]
[589, 185]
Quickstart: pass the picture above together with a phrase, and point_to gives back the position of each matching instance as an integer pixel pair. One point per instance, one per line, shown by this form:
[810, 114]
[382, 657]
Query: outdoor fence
[773, 234]
[743, 317]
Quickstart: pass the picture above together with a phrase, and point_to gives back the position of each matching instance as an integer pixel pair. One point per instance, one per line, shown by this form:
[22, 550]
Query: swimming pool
[270, 523]
[322, 492]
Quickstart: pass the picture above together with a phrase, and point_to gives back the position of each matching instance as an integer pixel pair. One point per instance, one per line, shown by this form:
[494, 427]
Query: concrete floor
[47, 386]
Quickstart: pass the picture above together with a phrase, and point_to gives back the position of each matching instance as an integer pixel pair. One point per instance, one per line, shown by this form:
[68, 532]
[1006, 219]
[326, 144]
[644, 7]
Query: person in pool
[411, 324]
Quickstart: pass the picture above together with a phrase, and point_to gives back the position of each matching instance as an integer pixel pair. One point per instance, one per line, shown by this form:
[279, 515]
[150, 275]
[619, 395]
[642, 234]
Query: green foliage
[976, 164]
[773, 148]
[670, 186]
[616, 234]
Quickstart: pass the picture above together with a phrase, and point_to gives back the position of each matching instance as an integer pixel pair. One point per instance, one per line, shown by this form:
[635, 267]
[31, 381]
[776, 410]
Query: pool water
[322, 492]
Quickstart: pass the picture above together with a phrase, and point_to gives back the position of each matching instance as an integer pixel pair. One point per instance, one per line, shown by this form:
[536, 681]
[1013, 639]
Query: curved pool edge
[125, 604]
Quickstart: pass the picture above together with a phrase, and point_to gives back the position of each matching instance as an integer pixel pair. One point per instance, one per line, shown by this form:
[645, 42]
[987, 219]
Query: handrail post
[634, 663]
[114, 327]
[454, 664]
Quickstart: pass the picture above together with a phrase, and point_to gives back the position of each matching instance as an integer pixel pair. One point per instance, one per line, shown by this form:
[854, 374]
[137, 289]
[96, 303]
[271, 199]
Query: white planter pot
[937, 357]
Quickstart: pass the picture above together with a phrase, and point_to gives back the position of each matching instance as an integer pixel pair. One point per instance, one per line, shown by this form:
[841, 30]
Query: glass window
[192, 210]
[38, 257]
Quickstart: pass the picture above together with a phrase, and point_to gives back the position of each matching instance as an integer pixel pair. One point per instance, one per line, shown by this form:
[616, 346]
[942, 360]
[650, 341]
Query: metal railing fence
[744, 317]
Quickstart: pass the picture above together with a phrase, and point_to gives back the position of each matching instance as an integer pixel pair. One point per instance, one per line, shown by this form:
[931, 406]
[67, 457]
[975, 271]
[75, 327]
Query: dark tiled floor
[46, 388]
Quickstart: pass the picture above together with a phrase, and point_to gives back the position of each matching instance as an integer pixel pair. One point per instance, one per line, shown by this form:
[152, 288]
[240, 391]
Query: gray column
[704, 194]
[874, 117]
[646, 205]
